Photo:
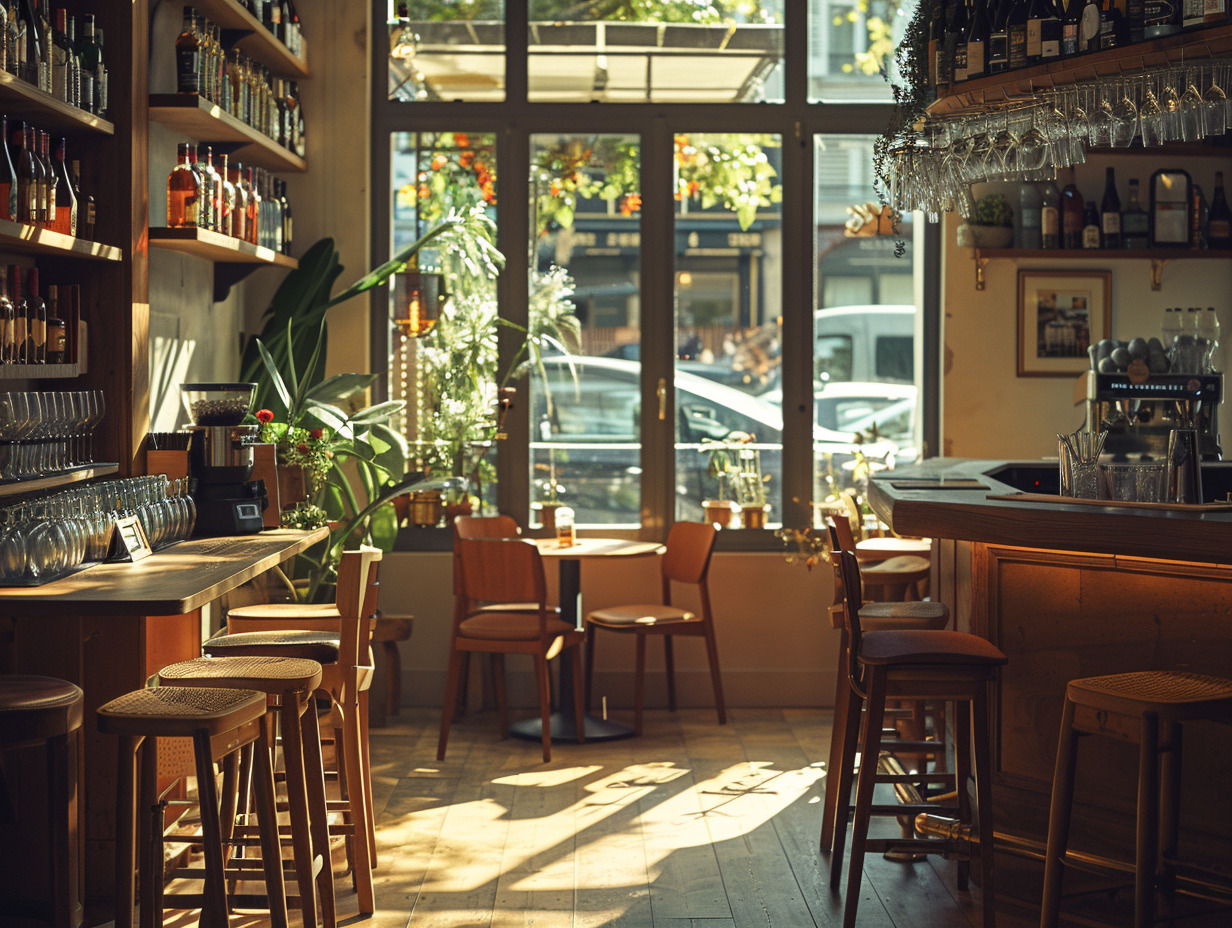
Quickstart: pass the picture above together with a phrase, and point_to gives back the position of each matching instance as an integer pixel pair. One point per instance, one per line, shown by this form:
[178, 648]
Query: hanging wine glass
[1215, 101]
[1124, 117]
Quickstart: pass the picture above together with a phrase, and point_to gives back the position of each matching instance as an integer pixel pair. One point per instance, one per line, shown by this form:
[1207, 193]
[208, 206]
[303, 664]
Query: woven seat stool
[46, 711]
[291, 683]
[1146, 707]
[219, 722]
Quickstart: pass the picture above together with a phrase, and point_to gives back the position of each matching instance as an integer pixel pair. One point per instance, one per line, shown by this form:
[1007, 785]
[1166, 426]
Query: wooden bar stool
[1147, 707]
[46, 711]
[290, 684]
[912, 664]
[387, 631]
[219, 722]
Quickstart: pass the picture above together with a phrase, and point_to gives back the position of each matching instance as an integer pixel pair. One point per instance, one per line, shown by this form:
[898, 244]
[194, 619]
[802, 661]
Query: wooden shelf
[34, 485]
[213, 246]
[25, 101]
[15, 236]
[260, 43]
[1159, 258]
[192, 115]
[998, 88]
[38, 371]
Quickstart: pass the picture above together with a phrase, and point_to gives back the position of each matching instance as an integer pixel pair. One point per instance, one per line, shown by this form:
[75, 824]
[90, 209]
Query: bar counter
[1072, 590]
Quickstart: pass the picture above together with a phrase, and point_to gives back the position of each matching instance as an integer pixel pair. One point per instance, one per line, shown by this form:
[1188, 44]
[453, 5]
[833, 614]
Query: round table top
[597, 547]
[881, 549]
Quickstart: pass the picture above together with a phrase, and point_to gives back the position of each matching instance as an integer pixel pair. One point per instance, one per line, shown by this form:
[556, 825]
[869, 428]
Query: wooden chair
[1147, 707]
[507, 571]
[895, 578]
[912, 664]
[341, 645]
[387, 631]
[685, 560]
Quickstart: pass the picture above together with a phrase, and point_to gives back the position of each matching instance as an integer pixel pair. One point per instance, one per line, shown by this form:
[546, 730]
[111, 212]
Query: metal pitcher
[1184, 467]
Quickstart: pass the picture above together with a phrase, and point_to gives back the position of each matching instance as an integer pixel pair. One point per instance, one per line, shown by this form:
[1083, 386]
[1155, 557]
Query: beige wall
[989, 411]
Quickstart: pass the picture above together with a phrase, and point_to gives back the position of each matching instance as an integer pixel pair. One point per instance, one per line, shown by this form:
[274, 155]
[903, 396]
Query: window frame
[515, 120]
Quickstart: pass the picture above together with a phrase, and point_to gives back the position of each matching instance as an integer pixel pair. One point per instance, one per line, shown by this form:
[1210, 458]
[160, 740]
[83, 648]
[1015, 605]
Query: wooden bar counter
[1073, 590]
[107, 628]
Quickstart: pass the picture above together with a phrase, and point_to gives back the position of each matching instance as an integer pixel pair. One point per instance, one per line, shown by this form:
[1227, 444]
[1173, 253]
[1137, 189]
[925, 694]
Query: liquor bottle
[1135, 223]
[1037, 12]
[977, 41]
[239, 215]
[27, 177]
[1016, 30]
[288, 227]
[1110, 212]
[1199, 216]
[226, 199]
[46, 49]
[1030, 219]
[89, 52]
[254, 206]
[295, 35]
[1050, 32]
[275, 223]
[21, 325]
[57, 330]
[1088, 26]
[8, 177]
[8, 321]
[1071, 217]
[4, 24]
[36, 319]
[74, 64]
[1050, 216]
[1069, 28]
[53, 179]
[1090, 227]
[86, 213]
[60, 54]
[1219, 223]
[1111, 26]
[957, 40]
[14, 40]
[102, 79]
[182, 189]
[998, 39]
[299, 141]
[188, 54]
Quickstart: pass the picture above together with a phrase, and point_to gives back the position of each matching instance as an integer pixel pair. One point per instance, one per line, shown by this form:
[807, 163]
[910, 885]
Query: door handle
[662, 394]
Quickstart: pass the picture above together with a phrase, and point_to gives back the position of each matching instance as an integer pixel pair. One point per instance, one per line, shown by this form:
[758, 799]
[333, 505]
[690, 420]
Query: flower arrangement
[310, 449]
[807, 546]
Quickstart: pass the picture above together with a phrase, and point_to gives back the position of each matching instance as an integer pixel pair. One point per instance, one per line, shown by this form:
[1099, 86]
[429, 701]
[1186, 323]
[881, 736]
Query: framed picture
[1060, 314]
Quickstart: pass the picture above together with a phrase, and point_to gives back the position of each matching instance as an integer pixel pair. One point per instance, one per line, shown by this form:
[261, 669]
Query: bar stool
[219, 722]
[1147, 707]
[290, 683]
[912, 664]
[46, 711]
[387, 631]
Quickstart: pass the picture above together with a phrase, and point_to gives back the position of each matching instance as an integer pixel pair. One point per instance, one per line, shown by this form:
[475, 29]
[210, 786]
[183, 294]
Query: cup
[565, 535]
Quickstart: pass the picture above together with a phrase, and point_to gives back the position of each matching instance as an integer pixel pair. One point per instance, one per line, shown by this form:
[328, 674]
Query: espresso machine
[220, 459]
[1141, 410]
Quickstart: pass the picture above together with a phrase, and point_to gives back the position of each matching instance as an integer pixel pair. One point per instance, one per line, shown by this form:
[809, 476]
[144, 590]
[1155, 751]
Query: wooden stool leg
[297, 805]
[962, 773]
[214, 901]
[716, 676]
[361, 863]
[639, 684]
[980, 736]
[457, 663]
[393, 677]
[61, 753]
[1058, 819]
[126, 828]
[267, 816]
[150, 833]
[1169, 803]
[314, 775]
[545, 705]
[864, 792]
[1147, 851]
[669, 666]
[842, 701]
[843, 774]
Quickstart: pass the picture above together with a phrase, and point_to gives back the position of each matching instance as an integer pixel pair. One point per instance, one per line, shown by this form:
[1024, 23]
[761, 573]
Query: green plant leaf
[339, 387]
[275, 378]
[392, 450]
[381, 412]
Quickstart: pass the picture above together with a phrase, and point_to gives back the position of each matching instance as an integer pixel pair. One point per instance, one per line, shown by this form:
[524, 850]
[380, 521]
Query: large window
[712, 326]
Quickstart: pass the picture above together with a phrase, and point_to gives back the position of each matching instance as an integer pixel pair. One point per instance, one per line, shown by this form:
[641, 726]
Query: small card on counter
[128, 541]
[951, 483]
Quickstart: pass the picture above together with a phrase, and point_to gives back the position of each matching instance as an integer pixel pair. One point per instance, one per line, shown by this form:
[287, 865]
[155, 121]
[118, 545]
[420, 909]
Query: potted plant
[549, 490]
[749, 483]
[719, 509]
[991, 225]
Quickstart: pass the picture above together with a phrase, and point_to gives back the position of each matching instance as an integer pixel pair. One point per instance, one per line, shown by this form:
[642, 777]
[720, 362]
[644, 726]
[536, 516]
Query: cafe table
[106, 628]
[569, 559]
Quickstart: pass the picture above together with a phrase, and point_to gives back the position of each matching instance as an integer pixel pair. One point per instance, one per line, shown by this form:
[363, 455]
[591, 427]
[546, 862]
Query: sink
[1028, 478]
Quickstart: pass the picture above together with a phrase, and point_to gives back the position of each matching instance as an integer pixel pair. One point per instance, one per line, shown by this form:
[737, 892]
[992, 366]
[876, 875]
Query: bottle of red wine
[1016, 29]
[1219, 218]
[957, 41]
[1110, 212]
[977, 40]
[937, 71]
[1135, 223]
[998, 39]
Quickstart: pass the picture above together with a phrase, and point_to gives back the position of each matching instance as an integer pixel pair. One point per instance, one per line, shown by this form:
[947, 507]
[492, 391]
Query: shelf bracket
[227, 275]
[980, 263]
[1157, 271]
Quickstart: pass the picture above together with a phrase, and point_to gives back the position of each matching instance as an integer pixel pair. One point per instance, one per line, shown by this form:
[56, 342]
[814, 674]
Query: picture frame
[1060, 314]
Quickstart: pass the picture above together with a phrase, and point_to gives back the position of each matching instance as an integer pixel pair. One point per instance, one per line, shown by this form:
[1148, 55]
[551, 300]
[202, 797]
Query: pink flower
[317, 433]
[303, 447]
[264, 416]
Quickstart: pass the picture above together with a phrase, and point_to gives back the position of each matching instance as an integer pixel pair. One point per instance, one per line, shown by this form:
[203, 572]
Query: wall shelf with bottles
[1130, 59]
[18, 237]
[214, 246]
[25, 101]
[259, 43]
[1160, 258]
[55, 481]
[195, 117]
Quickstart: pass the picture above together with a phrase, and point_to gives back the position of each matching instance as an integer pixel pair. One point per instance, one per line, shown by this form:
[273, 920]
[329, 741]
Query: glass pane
[445, 50]
[443, 318]
[851, 48]
[669, 51]
[728, 322]
[585, 276]
[865, 376]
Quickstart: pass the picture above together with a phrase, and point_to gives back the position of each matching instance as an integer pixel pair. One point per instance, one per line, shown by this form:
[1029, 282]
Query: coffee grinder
[220, 459]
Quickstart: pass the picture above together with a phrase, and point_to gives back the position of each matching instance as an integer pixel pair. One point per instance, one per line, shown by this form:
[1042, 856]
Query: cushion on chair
[646, 614]
[509, 626]
[321, 647]
[898, 616]
[913, 646]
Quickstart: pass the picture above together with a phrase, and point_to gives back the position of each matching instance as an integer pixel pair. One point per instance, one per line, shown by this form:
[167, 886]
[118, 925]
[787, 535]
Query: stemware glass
[1215, 101]
[1193, 109]
[1170, 100]
[12, 546]
[1034, 150]
[1124, 117]
[1151, 117]
[1099, 123]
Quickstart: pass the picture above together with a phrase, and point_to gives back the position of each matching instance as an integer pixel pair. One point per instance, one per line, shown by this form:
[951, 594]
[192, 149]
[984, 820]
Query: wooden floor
[691, 825]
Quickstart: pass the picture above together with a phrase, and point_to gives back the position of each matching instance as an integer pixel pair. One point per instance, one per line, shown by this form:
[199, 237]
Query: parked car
[856, 407]
[718, 372]
[864, 343]
[591, 439]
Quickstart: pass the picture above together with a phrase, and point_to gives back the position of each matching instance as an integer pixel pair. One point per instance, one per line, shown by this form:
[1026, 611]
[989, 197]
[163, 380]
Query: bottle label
[998, 51]
[1090, 236]
[1219, 228]
[1050, 222]
[1088, 29]
[960, 69]
[38, 335]
[1069, 38]
[1035, 34]
[1112, 223]
[1018, 46]
[1050, 38]
[55, 339]
[59, 74]
[19, 339]
[975, 59]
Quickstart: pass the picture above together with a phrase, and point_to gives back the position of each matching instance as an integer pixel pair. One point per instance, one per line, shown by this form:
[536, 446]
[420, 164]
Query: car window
[598, 407]
[895, 357]
[832, 358]
[850, 413]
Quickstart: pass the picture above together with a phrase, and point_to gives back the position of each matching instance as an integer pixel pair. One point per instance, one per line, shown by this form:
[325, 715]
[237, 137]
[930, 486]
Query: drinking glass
[1215, 101]
[1193, 109]
[1124, 117]
[13, 553]
[1151, 118]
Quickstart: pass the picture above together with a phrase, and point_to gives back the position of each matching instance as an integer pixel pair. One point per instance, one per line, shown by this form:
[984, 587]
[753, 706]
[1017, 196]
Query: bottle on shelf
[65, 199]
[998, 38]
[254, 206]
[8, 321]
[57, 329]
[13, 29]
[1050, 216]
[1037, 12]
[1135, 223]
[239, 214]
[1091, 237]
[60, 54]
[188, 55]
[1110, 212]
[977, 43]
[27, 176]
[1050, 32]
[1030, 219]
[8, 176]
[183, 188]
[21, 328]
[1111, 26]
[87, 54]
[1071, 217]
[86, 213]
[288, 227]
[295, 35]
[1199, 215]
[226, 199]
[1088, 26]
[36, 317]
[1219, 221]
[1016, 31]
[73, 64]
[957, 40]
[102, 79]
[53, 181]
[1193, 14]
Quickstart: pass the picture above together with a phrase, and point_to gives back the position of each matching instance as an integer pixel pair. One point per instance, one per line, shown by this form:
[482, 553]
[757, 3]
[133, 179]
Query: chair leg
[365, 756]
[669, 665]
[457, 662]
[579, 707]
[1058, 819]
[1147, 853]
[980, 735]
[150, 828]
[393, 677]
[267, 819]
[639, 684]
[297, 805]
[214, 894]
[716, 676]
[497, 662]
[842, 699]
[838, 784]
[361, 862]
[126, 827]
[314, 776]
[1169, 803]
[962, 774]
[62, 814]
[592, 632]
[545, 705]
[864, 792]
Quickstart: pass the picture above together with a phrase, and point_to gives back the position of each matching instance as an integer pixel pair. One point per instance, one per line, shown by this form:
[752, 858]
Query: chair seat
[509, 626]
[916, 646]
[899, 616]
[881, 549]
[646, 614]
[180, 711]
[1172, 695]
[265, 674]
[895, 569]
[284, 610]
[37, 708]
[321, 647]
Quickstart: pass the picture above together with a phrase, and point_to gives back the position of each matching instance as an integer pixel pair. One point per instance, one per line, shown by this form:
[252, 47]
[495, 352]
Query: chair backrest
[687, 560]
[500, 526]
[356, 601]
[841, 534]
[847, 571]
[855, 518]
[501, 570]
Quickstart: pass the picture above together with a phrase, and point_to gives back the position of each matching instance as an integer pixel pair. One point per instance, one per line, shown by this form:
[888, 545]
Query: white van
[864, 343]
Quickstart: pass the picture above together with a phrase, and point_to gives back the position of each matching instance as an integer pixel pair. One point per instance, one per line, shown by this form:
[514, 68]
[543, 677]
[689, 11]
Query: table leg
[562, 723]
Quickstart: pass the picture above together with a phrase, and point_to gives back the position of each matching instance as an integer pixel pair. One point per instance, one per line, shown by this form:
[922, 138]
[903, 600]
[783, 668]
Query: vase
[753, 515]
[718, 511]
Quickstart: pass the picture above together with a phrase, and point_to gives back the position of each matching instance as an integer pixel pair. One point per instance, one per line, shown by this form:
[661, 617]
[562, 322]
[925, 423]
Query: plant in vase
[721, 467]
[548, 490]
[749, 481]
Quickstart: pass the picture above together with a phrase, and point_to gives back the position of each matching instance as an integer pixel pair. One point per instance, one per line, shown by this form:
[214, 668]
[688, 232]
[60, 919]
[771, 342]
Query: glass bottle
[52, 181]
[8, 321]
[1091, 237]
[187, 54]
[182, 184]
[226, 201]
[27, 177]
[254, 207]
[1030, 220]
[21, 328]
[1071, 217]
[1050, 217]
[60, 54]
[8, 176]
[1088, 26]
[90, 56]
[239, 214]
[1199, 216]
[213, 190]
[57, 330]
[977, 40]
[86, 213]
[73, 65]
[1135, 223]
[36, 319]
[1016, 32]
[956, 40]
[287, 226]
[1110, 212]
[1219, 222]
[998, 52]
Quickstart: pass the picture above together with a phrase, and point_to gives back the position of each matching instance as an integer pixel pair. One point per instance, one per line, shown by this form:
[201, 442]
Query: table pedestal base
[565, 730]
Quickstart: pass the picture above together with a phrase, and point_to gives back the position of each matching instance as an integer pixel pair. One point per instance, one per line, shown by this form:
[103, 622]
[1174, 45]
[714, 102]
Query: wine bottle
[182, 184]
[73, 64]
[27, 177]
[8, 177]
[1111, 26]
[1050, 216]
[36, 320]
[86, 213]
[1216, 12]
[102, 80]
[958, 41]
[998, 39]
[1219, 223]
[1199, 215]
[977, 40]
[1071, 217]
[8, 321]
[89, 52]
[1016, 29]
[1069, 28]
[226, 199]
[1030, 218]
[1110, 212]
[1090, 227]
[239, 215]
[60, 56]
[254, 206]
[66, 199]
[188, 54]
[1050, 32]
[21, 327]
[14, 47]
[287, 226]
[53, 179]
[1088, 26]
[1037, 12]
[57, 331]
[1135, 223]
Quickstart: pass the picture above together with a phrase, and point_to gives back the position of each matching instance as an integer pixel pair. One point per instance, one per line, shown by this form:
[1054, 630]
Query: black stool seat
[905, 647]
[34, 708]
[321, 647]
